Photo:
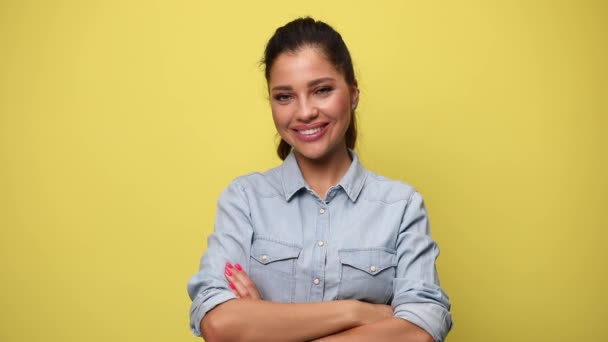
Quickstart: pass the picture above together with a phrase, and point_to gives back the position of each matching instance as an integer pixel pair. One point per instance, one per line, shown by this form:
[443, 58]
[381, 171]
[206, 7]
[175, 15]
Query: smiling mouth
[312, 131]
[311, 134]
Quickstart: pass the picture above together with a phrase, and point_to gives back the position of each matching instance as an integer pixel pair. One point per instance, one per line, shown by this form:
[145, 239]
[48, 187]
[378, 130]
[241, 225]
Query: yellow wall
[121, 121]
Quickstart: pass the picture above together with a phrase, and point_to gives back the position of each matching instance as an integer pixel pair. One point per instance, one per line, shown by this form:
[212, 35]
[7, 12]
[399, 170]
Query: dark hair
[309, 32]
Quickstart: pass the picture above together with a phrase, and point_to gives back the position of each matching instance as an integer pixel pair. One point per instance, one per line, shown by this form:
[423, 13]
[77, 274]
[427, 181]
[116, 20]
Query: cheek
[338, 109]
[278, 117]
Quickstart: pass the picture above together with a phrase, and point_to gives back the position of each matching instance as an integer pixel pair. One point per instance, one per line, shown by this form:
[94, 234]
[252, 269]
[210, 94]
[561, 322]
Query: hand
[240, 283]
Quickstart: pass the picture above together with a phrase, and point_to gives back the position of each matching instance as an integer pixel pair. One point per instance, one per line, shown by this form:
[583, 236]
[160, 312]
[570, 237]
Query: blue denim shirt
[368, 240]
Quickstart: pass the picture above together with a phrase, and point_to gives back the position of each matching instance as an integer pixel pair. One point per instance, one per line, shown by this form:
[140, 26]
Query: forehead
[302, 65]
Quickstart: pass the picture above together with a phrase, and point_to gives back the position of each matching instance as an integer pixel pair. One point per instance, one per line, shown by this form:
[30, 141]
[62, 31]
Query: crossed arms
[249, 318]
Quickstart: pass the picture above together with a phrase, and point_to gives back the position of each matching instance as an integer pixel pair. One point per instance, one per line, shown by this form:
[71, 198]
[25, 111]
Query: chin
[312, 156]
[315, 153]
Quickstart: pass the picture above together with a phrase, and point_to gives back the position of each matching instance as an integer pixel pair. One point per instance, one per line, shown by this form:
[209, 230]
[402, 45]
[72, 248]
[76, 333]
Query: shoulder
[380, 188]
[263, 184]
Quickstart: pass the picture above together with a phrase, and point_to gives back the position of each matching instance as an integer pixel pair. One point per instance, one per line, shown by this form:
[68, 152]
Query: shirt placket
[319, 252]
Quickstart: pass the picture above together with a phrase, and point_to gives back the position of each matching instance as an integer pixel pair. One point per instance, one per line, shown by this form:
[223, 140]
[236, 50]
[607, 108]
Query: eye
[324, 90]
[283, 98]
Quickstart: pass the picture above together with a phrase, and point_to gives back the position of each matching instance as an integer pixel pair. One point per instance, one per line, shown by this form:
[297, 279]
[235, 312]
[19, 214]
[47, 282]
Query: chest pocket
[367, 274]
[273, 269]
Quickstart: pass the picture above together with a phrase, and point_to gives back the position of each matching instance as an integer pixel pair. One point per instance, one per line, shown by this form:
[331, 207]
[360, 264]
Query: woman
[318, 248]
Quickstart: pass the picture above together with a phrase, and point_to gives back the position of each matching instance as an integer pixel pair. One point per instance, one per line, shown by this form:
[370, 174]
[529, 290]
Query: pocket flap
[267, 251]
[372, 261]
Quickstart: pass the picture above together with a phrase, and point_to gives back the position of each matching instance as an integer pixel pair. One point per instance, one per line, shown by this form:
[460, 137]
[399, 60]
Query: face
[311, 103]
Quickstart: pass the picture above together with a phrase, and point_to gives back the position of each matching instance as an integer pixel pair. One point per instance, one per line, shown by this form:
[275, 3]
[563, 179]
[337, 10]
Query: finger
[233, 289]
[244, 279]
[235, 283]
[241, 289]
[249, 284]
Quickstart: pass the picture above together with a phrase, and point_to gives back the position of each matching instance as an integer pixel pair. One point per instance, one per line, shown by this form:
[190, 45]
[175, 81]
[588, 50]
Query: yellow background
[121, 122]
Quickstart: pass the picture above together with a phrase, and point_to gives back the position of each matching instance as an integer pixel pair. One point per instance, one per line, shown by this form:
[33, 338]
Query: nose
[307, 111]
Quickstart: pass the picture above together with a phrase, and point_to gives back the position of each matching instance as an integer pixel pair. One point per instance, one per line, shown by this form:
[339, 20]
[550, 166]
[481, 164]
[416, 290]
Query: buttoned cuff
[433, 318]
[203, 303]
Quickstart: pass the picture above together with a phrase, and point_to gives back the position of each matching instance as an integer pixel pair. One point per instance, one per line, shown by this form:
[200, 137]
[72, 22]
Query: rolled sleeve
[230, 242]
[417, 295]
[203, 303]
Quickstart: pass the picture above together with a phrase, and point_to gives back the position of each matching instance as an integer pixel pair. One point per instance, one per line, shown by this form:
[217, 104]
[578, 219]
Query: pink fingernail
[232, 286]
[229, 265]
[228, 273]
[238, 267]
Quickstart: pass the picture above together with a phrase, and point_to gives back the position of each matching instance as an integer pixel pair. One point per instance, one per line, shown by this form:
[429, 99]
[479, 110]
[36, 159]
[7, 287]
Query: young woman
[318, 248]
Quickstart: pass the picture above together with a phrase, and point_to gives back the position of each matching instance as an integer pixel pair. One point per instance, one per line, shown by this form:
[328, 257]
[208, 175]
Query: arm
[233, 321]
[258, 320]
[391, 329]
[417, 295]
[231, 239]
[421, 307]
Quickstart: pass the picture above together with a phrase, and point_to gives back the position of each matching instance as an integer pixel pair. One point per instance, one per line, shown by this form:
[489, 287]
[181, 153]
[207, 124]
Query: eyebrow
[310, 84]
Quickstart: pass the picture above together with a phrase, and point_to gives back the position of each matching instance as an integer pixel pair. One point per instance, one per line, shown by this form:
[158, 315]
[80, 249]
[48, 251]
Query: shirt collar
[352, 182]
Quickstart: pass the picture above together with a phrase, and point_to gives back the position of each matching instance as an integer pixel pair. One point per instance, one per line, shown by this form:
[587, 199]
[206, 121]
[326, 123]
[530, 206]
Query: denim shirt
[368, 240]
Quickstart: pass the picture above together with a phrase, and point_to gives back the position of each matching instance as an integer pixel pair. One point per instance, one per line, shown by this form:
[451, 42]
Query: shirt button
[321, 243]
[264, 258]
[322, 211]
[316, 281]
[373, 268]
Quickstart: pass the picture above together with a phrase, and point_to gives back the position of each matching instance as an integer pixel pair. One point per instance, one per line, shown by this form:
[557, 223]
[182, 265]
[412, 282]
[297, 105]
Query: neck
[322, 174]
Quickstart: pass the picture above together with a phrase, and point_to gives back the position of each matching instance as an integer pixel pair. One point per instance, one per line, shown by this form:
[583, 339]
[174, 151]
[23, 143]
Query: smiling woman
[318, 248]
[312, 107]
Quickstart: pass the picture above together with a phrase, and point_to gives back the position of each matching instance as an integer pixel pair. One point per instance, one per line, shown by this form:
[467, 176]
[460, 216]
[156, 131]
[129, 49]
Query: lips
[308, 133]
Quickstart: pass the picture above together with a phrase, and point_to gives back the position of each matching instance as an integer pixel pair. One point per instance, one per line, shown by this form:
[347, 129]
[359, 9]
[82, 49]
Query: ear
[354, 93]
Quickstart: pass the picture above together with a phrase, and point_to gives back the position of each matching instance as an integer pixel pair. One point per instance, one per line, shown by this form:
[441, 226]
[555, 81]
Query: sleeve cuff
[433, 318]
[203, 303]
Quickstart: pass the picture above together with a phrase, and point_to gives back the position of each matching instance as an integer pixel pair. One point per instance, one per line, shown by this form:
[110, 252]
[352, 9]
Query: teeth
[311, 131]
